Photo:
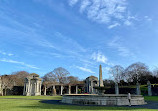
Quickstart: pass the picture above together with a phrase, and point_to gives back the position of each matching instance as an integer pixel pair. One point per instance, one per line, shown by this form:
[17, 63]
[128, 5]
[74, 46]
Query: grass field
[24, 103]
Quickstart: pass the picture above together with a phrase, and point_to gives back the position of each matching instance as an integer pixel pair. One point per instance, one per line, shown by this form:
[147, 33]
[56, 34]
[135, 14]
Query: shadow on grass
[56, 105]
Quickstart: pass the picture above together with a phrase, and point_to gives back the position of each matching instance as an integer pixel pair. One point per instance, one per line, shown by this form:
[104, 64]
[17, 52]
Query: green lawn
[151, 98]
[23, 103]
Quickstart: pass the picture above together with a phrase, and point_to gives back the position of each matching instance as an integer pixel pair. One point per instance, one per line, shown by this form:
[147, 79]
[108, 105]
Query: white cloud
[105, 69]
[128, 23]
[99, 57]
[84, 5]
[85, 69]
[148, 18]
[72, 2]
[113, 25]
[17, 62]
[102, 11]
[123, 51]
[5, 53]
[10, 54]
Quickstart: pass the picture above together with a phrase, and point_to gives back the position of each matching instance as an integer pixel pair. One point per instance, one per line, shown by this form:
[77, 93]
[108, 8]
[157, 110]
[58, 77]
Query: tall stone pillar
[92, 87]
[40, 88]
[35, 87]
[138, 89]
[30, 89]
[149, 88]
[116, 88]
[45, 91]
[61, 90]
[24, 91]
[76, 89]
[54, 90]
[69, 89]
[100, 77]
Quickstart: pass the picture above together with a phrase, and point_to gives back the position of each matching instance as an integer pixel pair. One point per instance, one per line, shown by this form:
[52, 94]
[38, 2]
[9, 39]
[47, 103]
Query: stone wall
[108, 99]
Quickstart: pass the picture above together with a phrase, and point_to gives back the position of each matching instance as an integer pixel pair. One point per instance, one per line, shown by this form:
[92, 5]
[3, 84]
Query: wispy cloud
[117, 44]
[85, 69]
[72, 2]
[20, 63]
[148, 18]
[5, 53]
[99, 57]
[127, 22]
[102, 11]
[113, 25]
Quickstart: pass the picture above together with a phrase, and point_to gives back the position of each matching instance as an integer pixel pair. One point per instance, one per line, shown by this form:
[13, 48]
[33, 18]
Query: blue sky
[40, 35]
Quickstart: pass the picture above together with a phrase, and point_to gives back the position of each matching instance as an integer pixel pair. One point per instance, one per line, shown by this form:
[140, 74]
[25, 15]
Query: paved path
[149, 105]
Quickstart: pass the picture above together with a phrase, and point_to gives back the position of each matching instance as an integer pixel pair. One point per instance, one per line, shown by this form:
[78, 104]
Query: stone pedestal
[138, 92]
[107, 99]
[149, 88]
[116, 88]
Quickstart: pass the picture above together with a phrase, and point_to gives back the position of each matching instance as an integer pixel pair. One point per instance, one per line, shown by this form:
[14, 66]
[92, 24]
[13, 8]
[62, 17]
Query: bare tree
[117, 72]
[7, 83]
[19, 77]
[57, 75]
[72, 79]
[134, 72]
[155, 72]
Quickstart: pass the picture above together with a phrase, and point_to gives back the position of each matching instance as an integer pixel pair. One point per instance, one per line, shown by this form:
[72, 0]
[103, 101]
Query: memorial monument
[101, 98]
[32, 85]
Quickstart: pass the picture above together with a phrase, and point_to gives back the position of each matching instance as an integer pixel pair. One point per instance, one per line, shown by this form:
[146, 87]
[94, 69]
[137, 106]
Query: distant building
[90, 83]
[32, 85]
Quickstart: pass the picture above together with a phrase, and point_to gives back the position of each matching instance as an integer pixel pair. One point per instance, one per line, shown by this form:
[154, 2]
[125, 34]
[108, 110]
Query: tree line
[136, 72]
[58, 75]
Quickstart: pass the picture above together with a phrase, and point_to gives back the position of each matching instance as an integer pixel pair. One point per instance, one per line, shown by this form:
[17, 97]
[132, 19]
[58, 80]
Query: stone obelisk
[100, 77]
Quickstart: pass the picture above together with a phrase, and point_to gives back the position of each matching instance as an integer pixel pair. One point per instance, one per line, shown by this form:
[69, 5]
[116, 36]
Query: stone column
[61, 92]
[45, 91]
[24, 91]
[116, 88]
[76, 89]
[69, 89]
[40, 88]
[100, 77]
[149, 88]
[138, 89]
[30, 89]
[35, 87]
[92, 87]
[54, 90]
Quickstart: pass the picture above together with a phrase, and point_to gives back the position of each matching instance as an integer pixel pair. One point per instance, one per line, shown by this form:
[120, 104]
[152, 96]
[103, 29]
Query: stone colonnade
[61, 87]
[32, 86]
[138, 91]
